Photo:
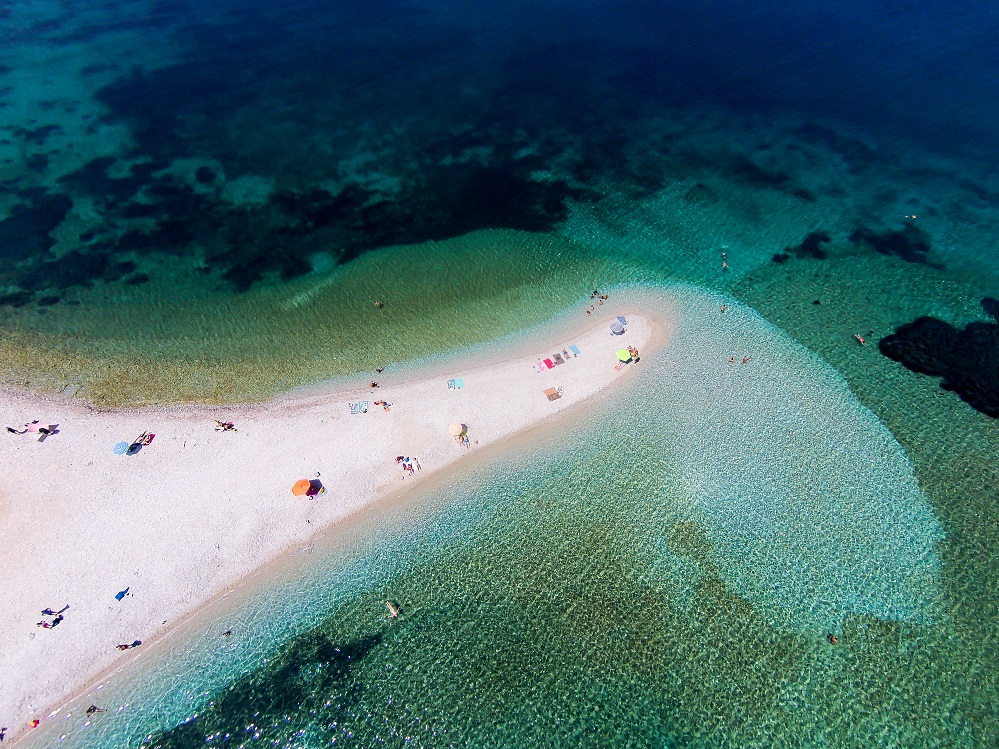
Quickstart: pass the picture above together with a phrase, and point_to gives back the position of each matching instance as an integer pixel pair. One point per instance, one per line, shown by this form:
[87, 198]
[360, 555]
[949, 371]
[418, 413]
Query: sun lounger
[359, 408]
[548, 363]
[575, 350]
[557, 358]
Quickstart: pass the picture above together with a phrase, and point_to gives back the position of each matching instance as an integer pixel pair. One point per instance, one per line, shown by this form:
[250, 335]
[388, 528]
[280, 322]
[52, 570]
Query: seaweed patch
[967, 360]
[910, 243]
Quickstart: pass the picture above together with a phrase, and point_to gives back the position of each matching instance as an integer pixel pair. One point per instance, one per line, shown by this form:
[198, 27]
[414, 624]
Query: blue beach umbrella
[121, 448]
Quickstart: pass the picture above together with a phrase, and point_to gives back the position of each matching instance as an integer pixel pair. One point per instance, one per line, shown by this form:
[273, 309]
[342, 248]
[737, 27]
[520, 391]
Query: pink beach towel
[548, 363]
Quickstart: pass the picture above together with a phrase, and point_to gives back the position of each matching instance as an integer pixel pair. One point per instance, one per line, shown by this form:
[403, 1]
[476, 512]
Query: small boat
[393, 611]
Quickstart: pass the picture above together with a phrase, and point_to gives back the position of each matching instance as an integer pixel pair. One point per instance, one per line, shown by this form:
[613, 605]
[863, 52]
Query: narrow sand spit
[190, 514]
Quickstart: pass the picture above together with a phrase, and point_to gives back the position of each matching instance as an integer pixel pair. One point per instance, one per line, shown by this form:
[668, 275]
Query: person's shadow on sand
[45, 432]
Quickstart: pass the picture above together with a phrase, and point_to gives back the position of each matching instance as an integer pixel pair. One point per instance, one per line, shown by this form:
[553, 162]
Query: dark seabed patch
[25, 232]
[810, 246]
[967, 360]
[38, 134]
[910, 243]
[281, 697]
[241, 243]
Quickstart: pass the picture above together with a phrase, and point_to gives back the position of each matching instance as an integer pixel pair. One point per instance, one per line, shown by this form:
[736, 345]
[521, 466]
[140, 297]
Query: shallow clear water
[657, 579]
[205, 205]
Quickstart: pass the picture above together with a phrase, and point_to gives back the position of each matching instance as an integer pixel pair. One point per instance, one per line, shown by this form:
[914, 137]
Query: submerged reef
[967, 360]
[810, 246]
[310, 669]
[147, 212]
[911, 243]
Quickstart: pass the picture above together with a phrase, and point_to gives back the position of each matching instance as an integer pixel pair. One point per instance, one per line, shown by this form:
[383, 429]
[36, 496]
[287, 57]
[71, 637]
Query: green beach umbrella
[623, 354]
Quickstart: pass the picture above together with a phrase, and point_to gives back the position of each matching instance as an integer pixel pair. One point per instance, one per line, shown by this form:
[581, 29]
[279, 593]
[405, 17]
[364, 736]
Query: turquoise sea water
[204, 205]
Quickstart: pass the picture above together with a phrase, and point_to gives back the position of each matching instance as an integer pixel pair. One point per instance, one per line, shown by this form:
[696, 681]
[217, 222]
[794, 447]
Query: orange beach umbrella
[301, 487]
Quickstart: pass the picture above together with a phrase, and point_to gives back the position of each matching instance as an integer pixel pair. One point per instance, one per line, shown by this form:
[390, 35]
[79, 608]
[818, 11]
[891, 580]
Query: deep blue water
[364, 114]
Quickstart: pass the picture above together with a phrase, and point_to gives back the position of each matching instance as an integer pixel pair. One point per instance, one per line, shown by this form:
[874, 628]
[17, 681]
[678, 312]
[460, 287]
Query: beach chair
[360, 407]
[548, 363]
[575, 350]
[557, 358]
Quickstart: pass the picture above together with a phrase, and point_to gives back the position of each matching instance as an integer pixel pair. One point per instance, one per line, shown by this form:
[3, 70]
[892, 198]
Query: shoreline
[184, 591]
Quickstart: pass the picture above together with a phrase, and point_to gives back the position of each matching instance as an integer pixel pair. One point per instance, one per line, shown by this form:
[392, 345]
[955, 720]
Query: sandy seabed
[191, 514]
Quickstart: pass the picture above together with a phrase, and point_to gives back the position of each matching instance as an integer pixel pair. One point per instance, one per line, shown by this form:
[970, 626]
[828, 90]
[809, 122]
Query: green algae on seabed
[184, 339]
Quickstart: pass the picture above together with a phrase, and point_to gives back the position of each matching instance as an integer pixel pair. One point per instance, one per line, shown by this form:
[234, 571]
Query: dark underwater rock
[967, 360]
[911, 243]
[25, 231]
[810, 246]
[311, 675]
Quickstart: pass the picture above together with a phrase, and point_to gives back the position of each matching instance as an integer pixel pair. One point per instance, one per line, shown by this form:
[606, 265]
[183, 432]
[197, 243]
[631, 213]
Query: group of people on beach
[601, 298]
[34, 427]
[57, 617]
[409, 465]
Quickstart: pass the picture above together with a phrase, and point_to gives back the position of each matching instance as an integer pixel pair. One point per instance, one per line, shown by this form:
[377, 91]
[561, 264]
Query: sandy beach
[190, 514]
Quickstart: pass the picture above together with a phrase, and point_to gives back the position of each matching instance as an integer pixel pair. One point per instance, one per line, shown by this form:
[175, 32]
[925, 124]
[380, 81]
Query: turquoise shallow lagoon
[671, 558]
[205, 205]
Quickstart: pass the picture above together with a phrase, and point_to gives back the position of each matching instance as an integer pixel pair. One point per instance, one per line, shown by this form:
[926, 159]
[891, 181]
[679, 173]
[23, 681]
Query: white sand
[197, 510]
